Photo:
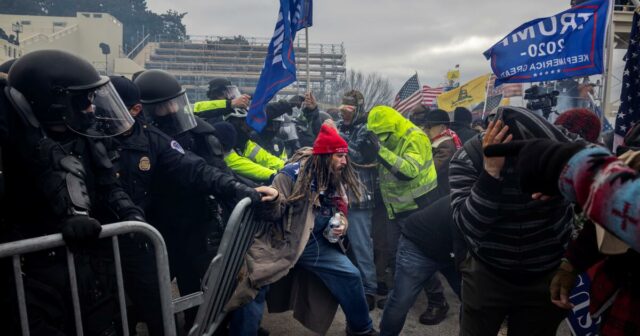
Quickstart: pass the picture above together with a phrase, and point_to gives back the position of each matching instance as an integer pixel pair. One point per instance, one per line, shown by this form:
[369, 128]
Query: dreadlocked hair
[318, 168]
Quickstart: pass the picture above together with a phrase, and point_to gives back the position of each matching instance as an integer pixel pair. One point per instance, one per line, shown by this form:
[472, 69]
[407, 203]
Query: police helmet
[4, 67]
[165, 102]
[54, 87]
[222, 87]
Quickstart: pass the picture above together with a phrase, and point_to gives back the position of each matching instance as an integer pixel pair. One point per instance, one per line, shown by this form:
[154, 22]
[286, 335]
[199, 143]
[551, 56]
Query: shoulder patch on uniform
[175, 145]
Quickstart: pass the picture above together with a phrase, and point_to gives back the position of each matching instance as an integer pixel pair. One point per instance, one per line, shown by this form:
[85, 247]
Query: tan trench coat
[272, 257]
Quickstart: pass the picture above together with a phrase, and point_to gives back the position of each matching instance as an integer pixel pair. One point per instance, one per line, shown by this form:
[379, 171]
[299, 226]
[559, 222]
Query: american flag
[506, 90]
[491, 103]
[430, 95]
[408, 96]
[629, 111]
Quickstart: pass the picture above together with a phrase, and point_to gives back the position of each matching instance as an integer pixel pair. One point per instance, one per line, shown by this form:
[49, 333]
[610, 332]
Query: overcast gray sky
[394, 38]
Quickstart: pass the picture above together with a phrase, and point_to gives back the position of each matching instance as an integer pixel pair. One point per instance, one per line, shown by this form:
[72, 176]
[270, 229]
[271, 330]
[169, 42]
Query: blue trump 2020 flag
[568, 44]
[280, 64]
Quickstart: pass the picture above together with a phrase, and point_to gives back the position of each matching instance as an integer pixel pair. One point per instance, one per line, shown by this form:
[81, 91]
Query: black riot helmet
[54, 87]
[165, 102]
[221, 88]
[4, 67]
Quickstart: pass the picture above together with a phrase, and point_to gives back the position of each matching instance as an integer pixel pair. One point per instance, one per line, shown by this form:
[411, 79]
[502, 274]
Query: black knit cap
[127, 90]
[462, 115]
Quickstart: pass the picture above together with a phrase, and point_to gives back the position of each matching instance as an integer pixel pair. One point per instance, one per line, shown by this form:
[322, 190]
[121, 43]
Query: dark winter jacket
[308, 126]
[465, 132]
[362, 153]
[516, 236]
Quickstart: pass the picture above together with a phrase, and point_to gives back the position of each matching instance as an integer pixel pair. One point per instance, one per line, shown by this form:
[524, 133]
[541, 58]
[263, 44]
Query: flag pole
[486, 95]
[606, 92]
[306, 41]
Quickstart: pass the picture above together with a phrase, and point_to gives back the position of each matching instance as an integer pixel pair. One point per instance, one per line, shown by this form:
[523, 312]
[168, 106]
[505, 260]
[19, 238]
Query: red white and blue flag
[430, 95]
[409, 95]
[629, 111]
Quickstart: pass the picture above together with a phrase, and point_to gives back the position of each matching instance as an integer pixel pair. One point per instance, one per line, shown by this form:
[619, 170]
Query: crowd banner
[279, 68]
[568, 44]
[468, 94]
[580, 321]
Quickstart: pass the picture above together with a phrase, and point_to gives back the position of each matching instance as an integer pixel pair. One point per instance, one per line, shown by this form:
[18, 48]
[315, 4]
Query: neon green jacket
[406, 168]
[259, 155]
[254, 163]
[247, 168]
[209, 105]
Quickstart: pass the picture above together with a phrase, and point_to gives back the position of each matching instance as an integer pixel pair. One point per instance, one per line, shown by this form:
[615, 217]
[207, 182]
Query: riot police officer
[189, 217]
[60, 179]
[149, 157]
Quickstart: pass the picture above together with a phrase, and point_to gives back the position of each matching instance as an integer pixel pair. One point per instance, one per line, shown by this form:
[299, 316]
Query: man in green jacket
[406, 171]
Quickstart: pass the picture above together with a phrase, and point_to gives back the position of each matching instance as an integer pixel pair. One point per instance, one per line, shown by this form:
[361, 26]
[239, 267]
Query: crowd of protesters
[366, 208]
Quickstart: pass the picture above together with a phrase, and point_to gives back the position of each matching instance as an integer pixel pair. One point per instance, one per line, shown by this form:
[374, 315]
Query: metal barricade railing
[218, 282]
[17, 248]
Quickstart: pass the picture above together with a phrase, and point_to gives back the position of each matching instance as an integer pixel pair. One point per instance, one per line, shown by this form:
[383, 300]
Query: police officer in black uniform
[64, 183]
[148, 157]
[190, 217]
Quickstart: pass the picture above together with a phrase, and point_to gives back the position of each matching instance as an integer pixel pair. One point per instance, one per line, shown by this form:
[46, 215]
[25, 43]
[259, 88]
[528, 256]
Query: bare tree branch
[375, 88]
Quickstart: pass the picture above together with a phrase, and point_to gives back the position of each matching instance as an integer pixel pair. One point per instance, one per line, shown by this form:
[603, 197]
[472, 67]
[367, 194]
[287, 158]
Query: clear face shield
[231, 92]
[173, 116]
[97, 113]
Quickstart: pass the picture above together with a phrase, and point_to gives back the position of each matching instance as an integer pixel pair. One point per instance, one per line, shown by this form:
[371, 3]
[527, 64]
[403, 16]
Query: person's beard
[335, 178]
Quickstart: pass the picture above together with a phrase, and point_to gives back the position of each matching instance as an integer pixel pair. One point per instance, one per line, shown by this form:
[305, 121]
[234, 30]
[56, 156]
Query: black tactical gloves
[374, 140]
[79, 230]
[540, 162]
[243, 191]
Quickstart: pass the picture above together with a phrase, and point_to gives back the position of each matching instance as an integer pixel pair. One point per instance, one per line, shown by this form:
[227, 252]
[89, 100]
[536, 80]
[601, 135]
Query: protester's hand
[563, 281]
[310, 101]
[374, 140]
[330, 123]
[342, 229]
[496, 134]
[540, 164]
[241, 102]
[80, 230]
[268, 193]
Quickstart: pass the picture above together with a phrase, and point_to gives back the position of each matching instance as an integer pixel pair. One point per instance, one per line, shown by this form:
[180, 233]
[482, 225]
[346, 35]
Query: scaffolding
[240, 59]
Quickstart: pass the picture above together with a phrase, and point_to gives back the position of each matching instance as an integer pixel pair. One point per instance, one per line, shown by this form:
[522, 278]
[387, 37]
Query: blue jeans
[359, 233]
[245, 321]
[413, 270]
[341, 278]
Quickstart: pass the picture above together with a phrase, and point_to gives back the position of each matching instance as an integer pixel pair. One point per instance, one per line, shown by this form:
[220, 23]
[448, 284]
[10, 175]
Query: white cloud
[459, 46]
[392, 37]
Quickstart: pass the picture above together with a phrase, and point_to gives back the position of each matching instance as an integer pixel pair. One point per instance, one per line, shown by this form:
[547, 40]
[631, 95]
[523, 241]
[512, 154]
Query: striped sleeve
[474, 196]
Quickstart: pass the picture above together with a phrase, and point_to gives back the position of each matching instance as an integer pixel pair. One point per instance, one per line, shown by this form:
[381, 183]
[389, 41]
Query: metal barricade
[17, 248]
[220, 280]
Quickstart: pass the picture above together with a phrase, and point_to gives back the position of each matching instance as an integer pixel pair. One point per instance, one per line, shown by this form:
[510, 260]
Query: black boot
[434, 313]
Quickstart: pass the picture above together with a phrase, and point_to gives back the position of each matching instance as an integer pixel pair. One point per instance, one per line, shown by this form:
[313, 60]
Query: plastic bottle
[334, 223]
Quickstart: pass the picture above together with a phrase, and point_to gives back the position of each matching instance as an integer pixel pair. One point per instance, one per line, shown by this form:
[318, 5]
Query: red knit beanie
[582, 122]
[329, 142]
